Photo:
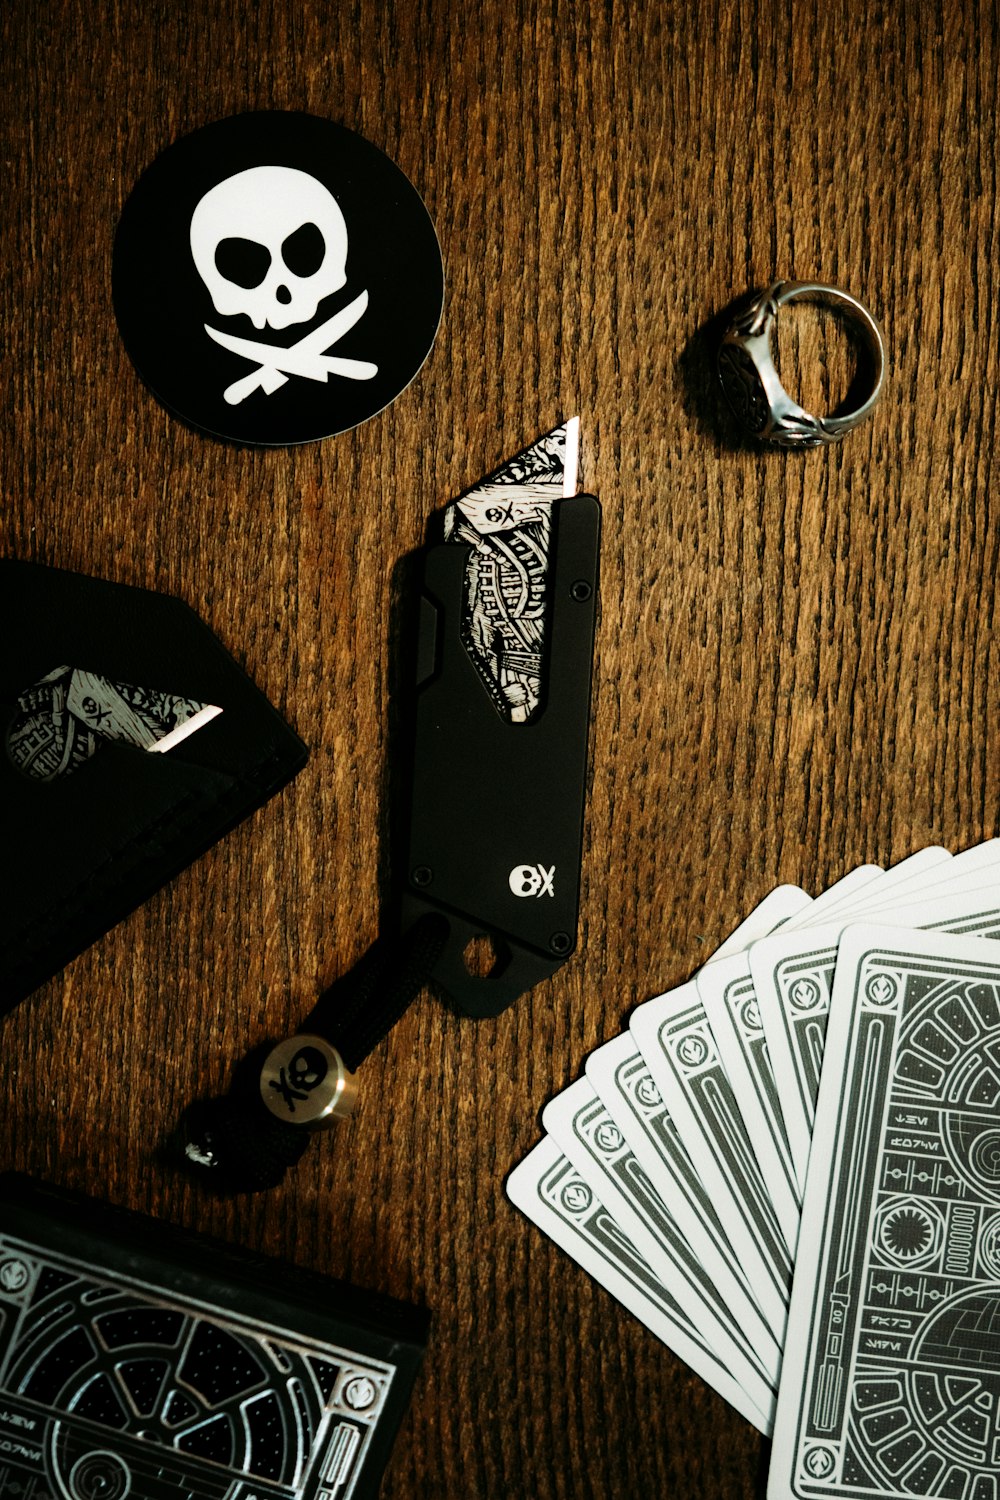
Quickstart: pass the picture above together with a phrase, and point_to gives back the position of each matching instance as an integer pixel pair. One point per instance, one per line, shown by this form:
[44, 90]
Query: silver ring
[750, 380]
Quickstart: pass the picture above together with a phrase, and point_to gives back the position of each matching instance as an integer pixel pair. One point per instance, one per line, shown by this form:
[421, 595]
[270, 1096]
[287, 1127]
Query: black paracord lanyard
[248, 1139]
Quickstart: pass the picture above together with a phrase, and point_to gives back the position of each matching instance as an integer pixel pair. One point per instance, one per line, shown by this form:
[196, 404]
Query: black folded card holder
[130, 741]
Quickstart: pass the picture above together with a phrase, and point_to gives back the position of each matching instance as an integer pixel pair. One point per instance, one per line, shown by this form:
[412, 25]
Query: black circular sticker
[276, 278]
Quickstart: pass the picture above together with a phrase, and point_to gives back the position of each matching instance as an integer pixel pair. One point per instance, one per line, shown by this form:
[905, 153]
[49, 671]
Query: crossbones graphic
[295, 1083]
[307, 358]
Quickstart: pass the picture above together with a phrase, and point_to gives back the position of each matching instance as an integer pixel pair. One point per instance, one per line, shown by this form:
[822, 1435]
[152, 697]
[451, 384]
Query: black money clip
[501, 718]
[497, 790]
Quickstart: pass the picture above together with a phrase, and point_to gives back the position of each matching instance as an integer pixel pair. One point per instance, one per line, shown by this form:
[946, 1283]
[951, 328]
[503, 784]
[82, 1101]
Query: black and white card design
[138, 1362]
[277, 278]
[61, 719]
[893, 1356]
[836, 1063]
[112, 1390]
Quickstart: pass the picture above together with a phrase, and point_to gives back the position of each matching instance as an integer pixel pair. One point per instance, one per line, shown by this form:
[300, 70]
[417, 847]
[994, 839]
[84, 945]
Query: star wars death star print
[276, 278]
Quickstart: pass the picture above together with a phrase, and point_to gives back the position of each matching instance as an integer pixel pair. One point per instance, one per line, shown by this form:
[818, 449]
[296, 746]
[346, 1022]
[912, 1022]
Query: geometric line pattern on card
[121, 1384]
[632, 1200]
[593, 1239]
[703, 1109]
[804, 987]
[989, 1248]
[728, 1132]
[595, 1242]
[629, 1091]
[903, 1376]
[563, 1190]
[908, 1233]
[735, 1017]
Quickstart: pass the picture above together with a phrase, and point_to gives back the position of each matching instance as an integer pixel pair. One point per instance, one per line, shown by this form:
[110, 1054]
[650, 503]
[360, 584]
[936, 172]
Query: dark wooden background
[796, 664]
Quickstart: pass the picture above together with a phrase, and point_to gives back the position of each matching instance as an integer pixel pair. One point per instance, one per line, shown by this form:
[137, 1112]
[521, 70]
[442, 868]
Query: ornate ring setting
[750, 381]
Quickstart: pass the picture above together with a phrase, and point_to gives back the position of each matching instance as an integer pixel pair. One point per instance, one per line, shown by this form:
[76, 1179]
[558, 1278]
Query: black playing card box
[140, 1362]
[91, 824]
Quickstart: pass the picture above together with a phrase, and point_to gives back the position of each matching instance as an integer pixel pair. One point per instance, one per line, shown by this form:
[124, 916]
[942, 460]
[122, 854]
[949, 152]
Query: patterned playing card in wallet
[130, 741]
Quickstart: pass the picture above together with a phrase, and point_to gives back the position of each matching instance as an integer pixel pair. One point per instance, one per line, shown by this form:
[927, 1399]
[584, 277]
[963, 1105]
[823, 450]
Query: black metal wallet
[130, 741]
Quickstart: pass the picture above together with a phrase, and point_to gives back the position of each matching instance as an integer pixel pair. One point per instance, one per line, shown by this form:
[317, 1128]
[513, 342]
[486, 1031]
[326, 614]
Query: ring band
[750, 381]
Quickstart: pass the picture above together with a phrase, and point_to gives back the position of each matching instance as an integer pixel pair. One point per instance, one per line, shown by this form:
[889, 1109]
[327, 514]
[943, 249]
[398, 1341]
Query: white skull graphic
[270, 242]
[524, 880]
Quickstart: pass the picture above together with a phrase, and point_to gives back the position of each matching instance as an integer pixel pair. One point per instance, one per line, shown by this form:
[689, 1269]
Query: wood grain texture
[796, 667]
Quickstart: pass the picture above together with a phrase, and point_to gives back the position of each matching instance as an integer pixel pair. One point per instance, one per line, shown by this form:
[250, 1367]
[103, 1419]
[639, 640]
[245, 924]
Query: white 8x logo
[532, 880]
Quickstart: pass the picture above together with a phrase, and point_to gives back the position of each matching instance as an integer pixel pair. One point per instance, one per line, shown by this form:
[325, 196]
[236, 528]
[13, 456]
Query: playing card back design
[146, 1365]
[796, 1033]
[554, 1196]
[121, 1392]
[677, 1044]
[794, 992]
[902, 1373]
[583, 1127]
[623, 1081]
[61, 720]
[805, 989]
[565, 1193]
[734, 1015]
[506, 521]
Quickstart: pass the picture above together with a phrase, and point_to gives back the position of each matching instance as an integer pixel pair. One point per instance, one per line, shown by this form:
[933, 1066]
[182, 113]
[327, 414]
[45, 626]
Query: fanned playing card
[891, 1380]
[584, 1130]
[626, 1087]
[675, 1038]
[554, 1196]
[683, 1245]
[692, 1138]
[727, 992]
[793, 974]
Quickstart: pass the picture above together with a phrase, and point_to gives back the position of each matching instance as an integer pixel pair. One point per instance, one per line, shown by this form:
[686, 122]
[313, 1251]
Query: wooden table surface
[796, 668]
